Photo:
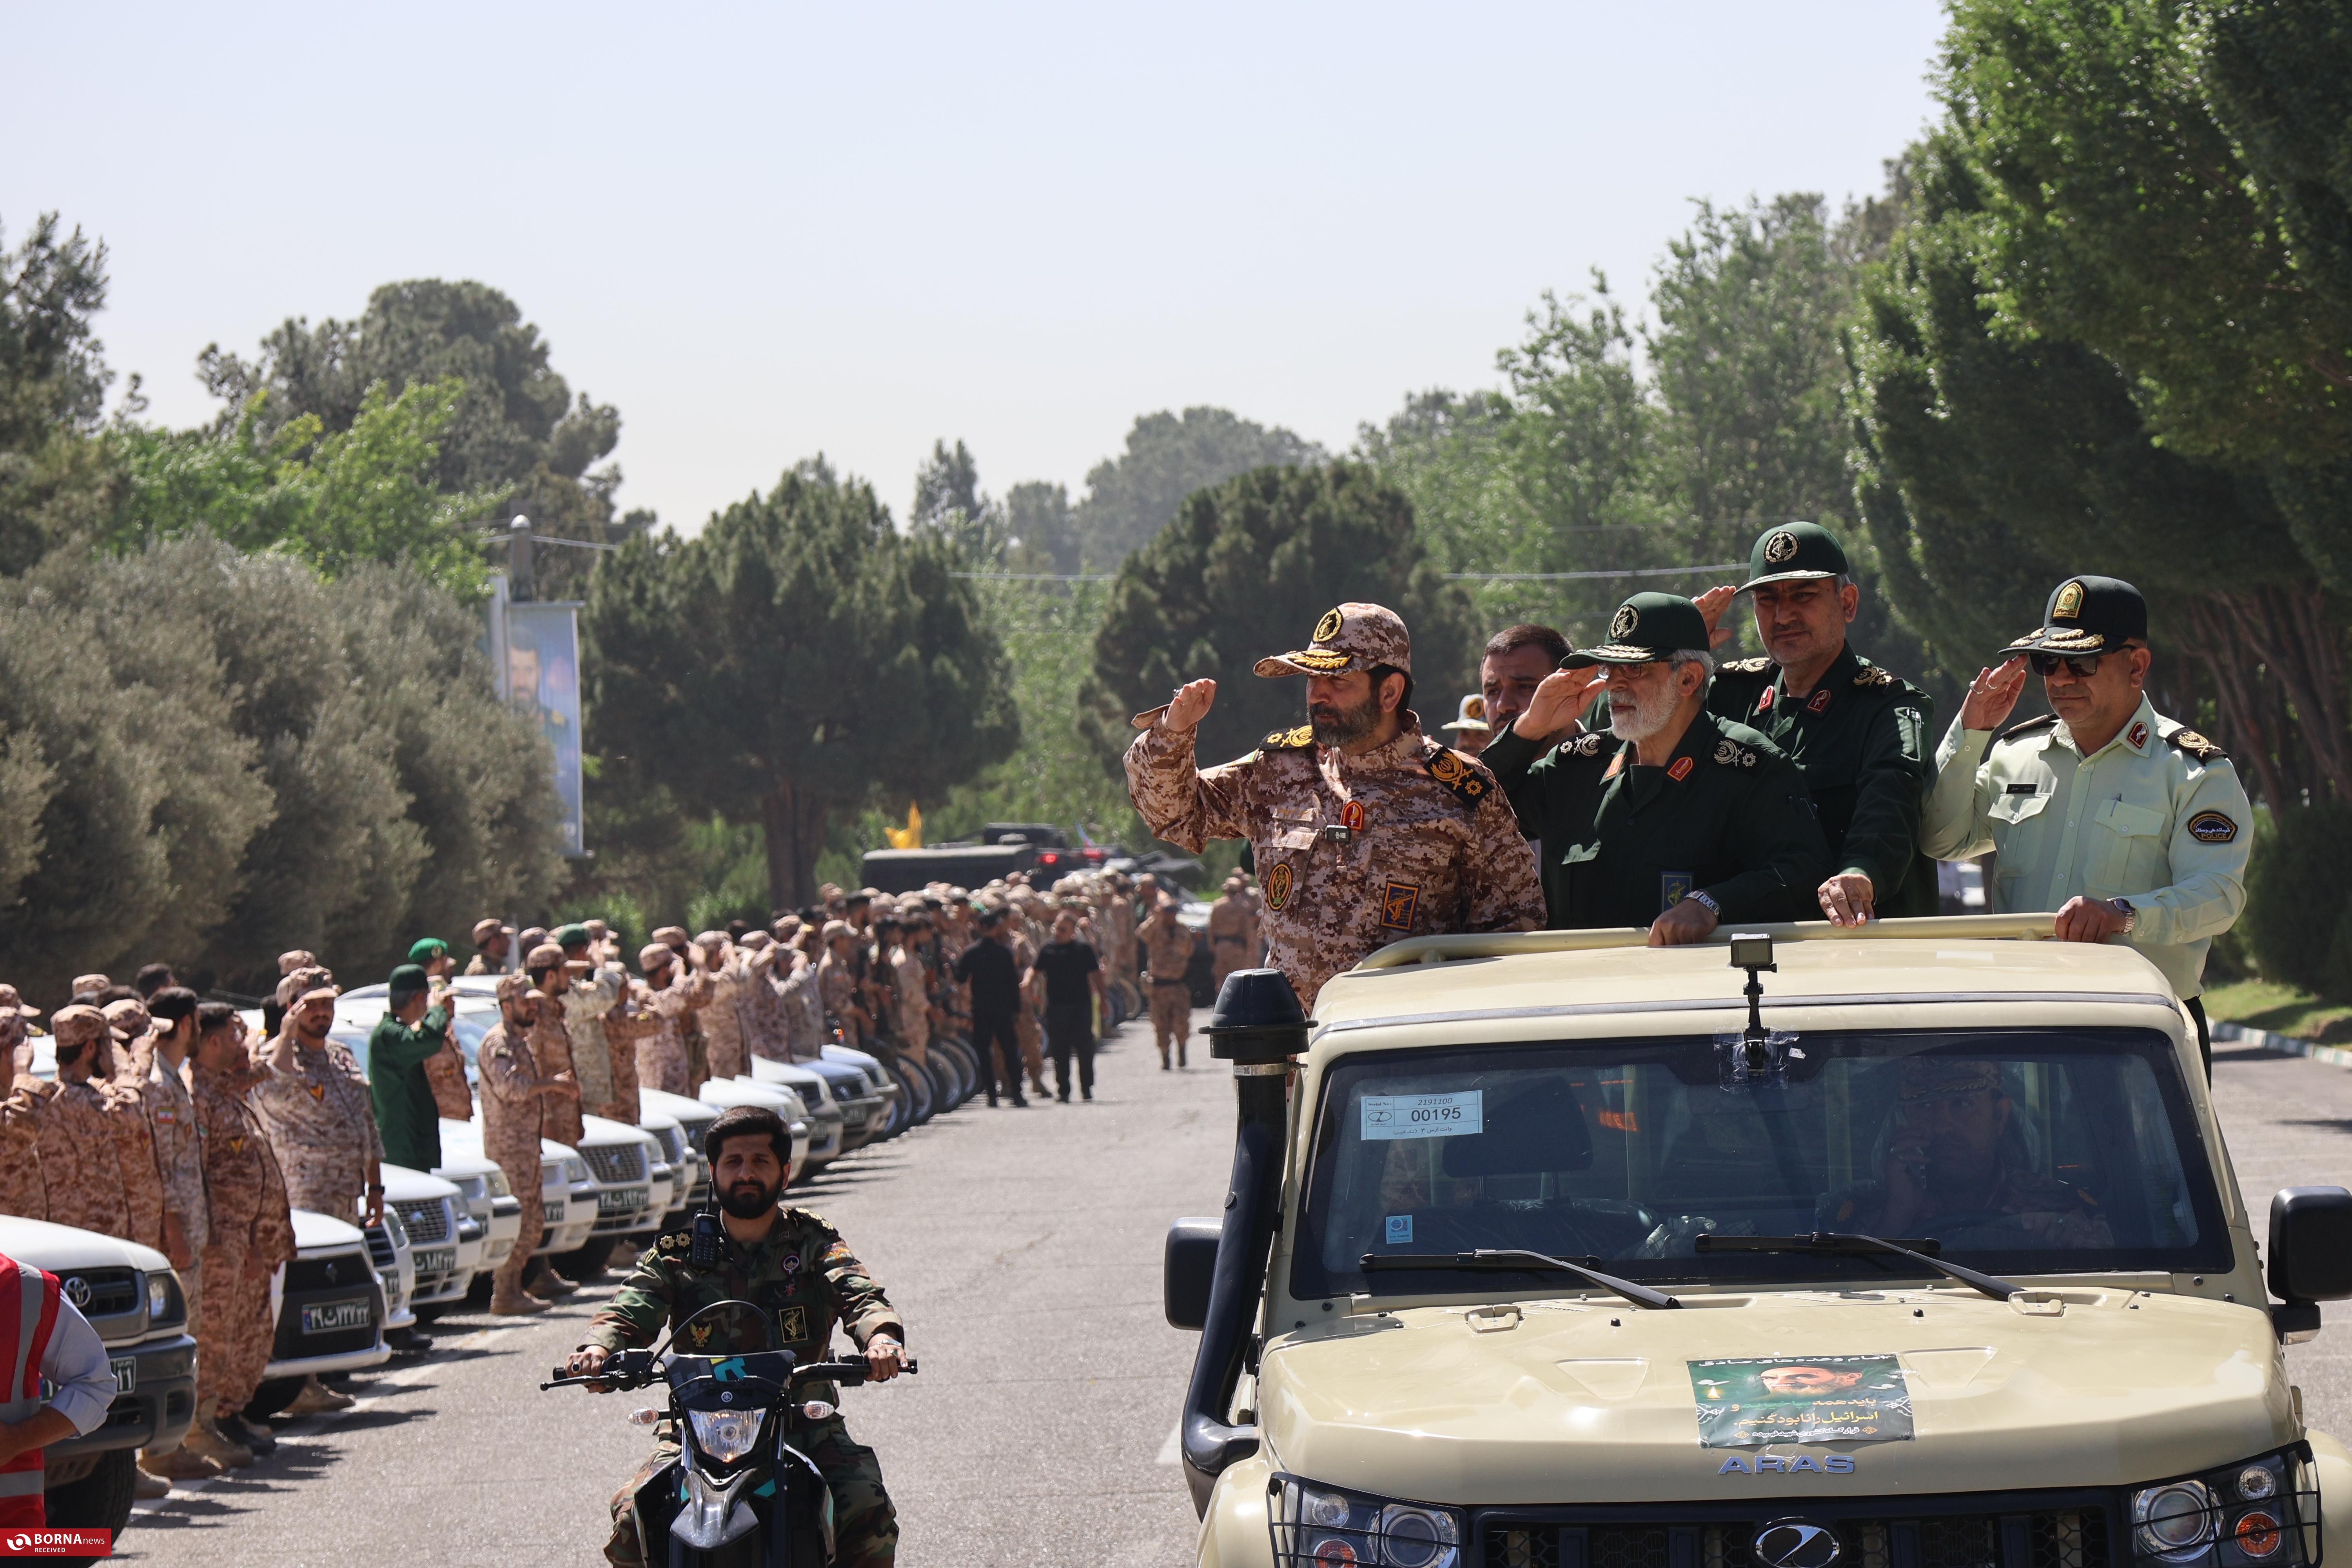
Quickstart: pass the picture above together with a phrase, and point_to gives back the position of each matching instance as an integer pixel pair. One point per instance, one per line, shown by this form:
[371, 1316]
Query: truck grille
[673, 1145]
[427, 1220]
[101, 1292]
[380, 1248]
[616, 1162]
[2060, 1539]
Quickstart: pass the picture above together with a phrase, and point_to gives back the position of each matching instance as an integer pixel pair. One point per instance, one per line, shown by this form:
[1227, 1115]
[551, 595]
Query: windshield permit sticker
[1400, 1229]
[1387, 1117]
[1757, 1401]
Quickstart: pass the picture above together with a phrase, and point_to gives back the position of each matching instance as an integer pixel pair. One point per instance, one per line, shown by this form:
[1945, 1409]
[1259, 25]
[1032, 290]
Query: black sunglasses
[2085, 666]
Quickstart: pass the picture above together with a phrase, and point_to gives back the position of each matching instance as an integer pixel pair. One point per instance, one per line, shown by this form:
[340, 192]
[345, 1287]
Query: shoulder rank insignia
[1870, 674]
[676, 1241]
[1454, 771]
[1297, 739]
[1732, 754]
[2197, 746]
[1588, 744]
[2027, 727]
[1744, 667]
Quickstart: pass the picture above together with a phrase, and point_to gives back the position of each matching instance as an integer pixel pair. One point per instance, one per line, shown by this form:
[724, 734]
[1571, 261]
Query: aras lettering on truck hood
[1591, 1401]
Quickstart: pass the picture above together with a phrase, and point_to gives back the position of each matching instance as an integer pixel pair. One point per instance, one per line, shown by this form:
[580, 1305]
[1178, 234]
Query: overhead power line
[1582, 576]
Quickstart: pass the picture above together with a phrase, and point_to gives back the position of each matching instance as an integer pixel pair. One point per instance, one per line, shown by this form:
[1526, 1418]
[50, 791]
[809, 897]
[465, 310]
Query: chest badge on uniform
[318, 1091]
[1278, 881]
[1680, 769]
[1352, 816]
[236, 1145]
[792, 1264]
[1398, 901]
[1821, 702]
[791, 1324]
[2138, 736]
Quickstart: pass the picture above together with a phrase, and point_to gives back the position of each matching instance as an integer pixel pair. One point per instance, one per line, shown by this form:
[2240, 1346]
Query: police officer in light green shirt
[2127, 824]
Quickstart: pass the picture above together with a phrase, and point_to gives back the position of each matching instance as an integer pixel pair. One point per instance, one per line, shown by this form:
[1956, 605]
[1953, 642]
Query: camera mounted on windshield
[1755, 1056]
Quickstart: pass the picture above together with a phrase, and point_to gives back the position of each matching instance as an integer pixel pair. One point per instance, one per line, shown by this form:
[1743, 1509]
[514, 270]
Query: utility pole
[518, 560]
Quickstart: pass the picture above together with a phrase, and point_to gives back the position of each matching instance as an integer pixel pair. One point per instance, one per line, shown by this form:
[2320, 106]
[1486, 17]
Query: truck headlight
[726, 1435]
[1316, 1526]
[575, 1171]
[500, 1187]
[2263, 1512]
[164, 1303]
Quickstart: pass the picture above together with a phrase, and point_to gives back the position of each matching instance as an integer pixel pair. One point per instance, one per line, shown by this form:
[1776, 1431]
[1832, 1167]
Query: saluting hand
[1992, 695]
[1711, 605]
[1190, 704]
[1557, 702]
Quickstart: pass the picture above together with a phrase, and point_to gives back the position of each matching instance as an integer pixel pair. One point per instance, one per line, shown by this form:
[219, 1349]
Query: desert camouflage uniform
[98, 1162]
[1169, 944]
[767, 1031]
[1024, 1016]
[663, 1059]
[725, 1054]
[445, 1074]
[251, 1235]
[913, 995]
[1233, 934]
[511, 1121]
[807, 1274]
[180, 1160]
[1438, 849]
[552, 1052]
[321, 1127]
[596, 1059]
[836, 989]
[804, 1009]
[22, 1191]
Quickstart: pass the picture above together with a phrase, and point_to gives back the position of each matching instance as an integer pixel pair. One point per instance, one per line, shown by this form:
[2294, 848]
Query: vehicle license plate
[437, 1261]
[621, 1200]
[335, 1317]
[126, 1375]
[551, 1213]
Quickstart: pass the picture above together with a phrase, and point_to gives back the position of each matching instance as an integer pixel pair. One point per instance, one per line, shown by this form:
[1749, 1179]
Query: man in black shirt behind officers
[988, 967]
[1073, 977]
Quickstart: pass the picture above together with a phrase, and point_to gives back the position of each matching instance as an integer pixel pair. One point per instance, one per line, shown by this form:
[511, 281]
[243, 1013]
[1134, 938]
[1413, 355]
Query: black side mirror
[1187, 1269]
[2310, 1256]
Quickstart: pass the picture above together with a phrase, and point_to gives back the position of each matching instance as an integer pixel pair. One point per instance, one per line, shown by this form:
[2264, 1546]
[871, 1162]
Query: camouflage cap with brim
[1944, 1078]
[1646, 629]
[513, 987]
[1352, 636]
[546, 956]
[1794, 553]
[78, 1024]
[12, 1005]
[2085, 614]
[1472, 717]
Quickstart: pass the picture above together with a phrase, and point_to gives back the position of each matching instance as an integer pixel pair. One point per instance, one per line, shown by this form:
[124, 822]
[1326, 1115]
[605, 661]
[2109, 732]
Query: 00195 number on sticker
[1387, 1117]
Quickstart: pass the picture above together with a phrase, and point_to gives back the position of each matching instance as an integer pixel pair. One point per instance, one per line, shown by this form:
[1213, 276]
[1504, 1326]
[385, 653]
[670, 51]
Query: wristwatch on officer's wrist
[1705, 900]
[2124, 907]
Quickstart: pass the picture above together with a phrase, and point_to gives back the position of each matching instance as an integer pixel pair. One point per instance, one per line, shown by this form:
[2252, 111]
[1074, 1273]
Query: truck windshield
[2019, 1151]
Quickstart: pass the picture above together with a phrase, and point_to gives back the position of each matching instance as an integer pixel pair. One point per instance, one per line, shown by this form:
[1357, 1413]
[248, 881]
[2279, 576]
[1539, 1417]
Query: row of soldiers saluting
[1641, 783]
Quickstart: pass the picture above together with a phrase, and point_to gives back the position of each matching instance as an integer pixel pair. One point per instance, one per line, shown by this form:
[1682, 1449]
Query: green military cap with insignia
[2087, 615]
[1794, 553]
[1646, 627]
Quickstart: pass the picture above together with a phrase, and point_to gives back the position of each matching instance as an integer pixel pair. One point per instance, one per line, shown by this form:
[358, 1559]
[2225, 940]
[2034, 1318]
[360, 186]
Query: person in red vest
[42, 1336]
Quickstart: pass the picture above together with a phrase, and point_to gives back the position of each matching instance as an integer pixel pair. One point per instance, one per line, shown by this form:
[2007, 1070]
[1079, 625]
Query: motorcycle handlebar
[618, 1376]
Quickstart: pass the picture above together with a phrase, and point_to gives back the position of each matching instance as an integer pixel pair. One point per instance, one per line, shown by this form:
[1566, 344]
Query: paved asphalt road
[1024, 1249]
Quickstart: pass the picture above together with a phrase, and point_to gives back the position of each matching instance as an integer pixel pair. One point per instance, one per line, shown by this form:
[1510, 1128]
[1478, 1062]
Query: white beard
[1637, 722]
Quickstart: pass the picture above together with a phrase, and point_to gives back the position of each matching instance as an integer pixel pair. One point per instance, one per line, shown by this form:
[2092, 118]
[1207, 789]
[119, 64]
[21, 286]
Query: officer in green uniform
[1859, 733]
[1675, 820]
[791, 1263]
[2129, 825]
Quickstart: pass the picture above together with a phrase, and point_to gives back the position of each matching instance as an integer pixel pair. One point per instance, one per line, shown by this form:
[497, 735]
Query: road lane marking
[1173, 1451]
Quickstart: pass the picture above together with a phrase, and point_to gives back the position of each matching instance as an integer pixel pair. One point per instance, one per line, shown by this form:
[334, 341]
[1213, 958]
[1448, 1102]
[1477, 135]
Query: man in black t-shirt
[988, 967]
[1074, 978]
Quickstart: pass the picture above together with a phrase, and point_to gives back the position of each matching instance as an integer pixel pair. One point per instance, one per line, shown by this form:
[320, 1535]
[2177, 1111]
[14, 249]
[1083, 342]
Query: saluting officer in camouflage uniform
[1859, 732]
[98, 1158]
[516, 1093]
[1365, 831]
[789, 1262]
[2127, 823]
[1676, 819]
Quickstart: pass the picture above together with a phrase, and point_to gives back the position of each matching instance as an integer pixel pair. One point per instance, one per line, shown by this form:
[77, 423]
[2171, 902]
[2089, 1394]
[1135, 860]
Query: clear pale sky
[763, 231]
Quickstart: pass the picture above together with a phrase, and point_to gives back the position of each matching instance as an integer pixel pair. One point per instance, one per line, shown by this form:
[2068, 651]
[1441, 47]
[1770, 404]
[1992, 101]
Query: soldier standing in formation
[98, 1161]
[2126, 823]
[1233, 929]
[180, 1158]
[251, 1234]
[1676, 820]
[589, 990]
[1168, 945]
[314, 1104]
[1859, 733]
[672, 994]
[413, 1029]
[1363, 829]
[554, 1055]
[722, 1020]
[514, 1092]
[22, 1191]
[493, 948]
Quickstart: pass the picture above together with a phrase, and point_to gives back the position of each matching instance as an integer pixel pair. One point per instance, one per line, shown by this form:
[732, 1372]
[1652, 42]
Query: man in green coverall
[412, 1027]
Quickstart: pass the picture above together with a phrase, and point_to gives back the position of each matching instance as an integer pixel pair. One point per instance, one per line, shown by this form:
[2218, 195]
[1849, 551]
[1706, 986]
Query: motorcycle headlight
[2261, 1513]
[726, 1435]
[1316, 1526]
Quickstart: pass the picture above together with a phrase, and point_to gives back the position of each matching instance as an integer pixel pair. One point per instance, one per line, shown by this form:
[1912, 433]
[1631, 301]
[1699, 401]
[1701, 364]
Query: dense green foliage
[1245, 570]
[1168, 457]
[2293, 922]
[797, 655]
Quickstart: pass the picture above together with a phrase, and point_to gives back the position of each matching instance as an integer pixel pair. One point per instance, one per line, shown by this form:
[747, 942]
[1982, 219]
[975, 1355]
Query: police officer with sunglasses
[2129, 825]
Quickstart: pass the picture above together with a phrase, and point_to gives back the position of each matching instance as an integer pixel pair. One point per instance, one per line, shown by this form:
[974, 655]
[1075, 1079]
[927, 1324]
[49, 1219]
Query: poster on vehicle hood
[1759, 1399]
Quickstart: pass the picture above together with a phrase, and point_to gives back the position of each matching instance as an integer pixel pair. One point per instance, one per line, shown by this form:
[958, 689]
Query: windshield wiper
[1829, 1244]
[1515, 1260]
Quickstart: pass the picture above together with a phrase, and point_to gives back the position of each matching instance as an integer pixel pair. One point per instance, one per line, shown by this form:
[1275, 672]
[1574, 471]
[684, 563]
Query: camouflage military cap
[788, 927]
[515, 987]
[756, 940]
[1945, 1078]
[298, 958]
[12, 1005]
[84, 983]
[127, 1015]
[546, 956]
[300, 982]
[670, 936]
[597, 930]
[78, 1024]
[1352, 636]
[655, 955]
[486, 928]
[833, 929]
[710, 938]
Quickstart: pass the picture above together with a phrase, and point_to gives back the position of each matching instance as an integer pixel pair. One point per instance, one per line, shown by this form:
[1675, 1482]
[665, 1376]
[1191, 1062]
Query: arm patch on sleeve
[2212, 827]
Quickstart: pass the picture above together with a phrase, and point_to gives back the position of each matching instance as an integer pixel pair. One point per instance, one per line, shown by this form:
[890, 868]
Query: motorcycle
[742, 1493]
